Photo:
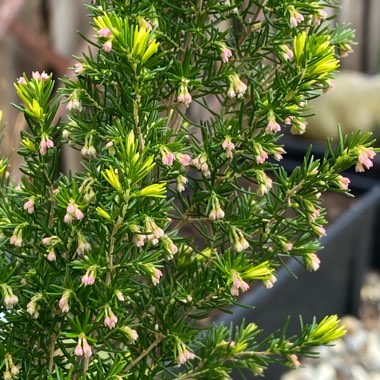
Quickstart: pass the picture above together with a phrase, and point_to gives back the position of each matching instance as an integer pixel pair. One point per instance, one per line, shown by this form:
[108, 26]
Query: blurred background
[37, 35]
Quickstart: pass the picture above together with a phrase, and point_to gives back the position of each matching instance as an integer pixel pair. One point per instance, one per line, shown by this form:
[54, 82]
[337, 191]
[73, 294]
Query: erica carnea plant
[182, 203]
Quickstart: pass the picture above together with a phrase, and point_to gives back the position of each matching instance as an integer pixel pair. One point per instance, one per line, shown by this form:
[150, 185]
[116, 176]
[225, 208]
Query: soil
[336, 204]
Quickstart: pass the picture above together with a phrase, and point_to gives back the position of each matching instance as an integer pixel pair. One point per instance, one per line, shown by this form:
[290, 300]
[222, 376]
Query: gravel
[357, 355]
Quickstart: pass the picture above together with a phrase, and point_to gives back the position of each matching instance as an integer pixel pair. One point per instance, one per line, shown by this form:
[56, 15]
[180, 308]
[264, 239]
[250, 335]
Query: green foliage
[105, 274]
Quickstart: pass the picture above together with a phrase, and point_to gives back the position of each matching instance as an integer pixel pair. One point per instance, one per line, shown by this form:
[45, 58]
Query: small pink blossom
[167, 157]
[88, 278]
[277, 153]
[36, 75]
[47, 240]
[293, 21]
[72, 211]
[216, 212]
[293, 358]
[29, 206]
[119, 296]
[21, 80]
[156, 275]
[79, 214]
[74, 103]
[104, 32]
[364, 159]
[68, 219]
[44, 76]
[10, 299]
[16, 238]
[298, 127]
[287, 53]
[237, 87]
[51, 255]
[184, 356]
[319, 230]
[45, 144]
[272, 126]
[225, 54]
[107, 46]
[228, 146]
[79, 69]
[295, 17]
[184, 159]
[181, 183]
[131, 333]
[64, 302]
[312, 262]
[139, 240]
[262, 155]
[238, 284]
[78, 349]
[343, 182]
[169, 246]
[83, 245]
[286, 246]
[270, 281]
[110, 321]
[241, 243]
[86, 349]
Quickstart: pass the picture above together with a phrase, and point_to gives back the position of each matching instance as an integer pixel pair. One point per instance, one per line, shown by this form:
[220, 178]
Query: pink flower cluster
[167, 157]
[216, 211]
[364, 159]
[64, 301]
[156, 275]
[237, 284]
[225, 53]
[228, 146]
[72, 211]
[185, 355]
[45, 144]
[262, 155]
[237, 87]
[295, 17]
[83, 348]
[78, 68]
[106, 33]
[184, 97]
[10, 299]
[131, 333]
[110, 319]
[312, 262]
[16, 238]
[286, 52]
[200, 162]
[29, 206]
[268, 283]
[272, 126]
[89, 277]
[37, 76]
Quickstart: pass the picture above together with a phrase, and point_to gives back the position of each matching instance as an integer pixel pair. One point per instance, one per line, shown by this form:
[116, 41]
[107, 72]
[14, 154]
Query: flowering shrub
[105, 273]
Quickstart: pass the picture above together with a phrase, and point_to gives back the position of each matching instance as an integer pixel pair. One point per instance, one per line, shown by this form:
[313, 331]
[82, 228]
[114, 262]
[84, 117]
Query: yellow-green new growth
[314, 55]
[142, 47]
[112, 178]
[157, 190]
[328, 330]
[262, 271]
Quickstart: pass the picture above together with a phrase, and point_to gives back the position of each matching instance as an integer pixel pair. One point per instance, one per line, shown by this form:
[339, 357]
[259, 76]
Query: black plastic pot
[333, 289]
